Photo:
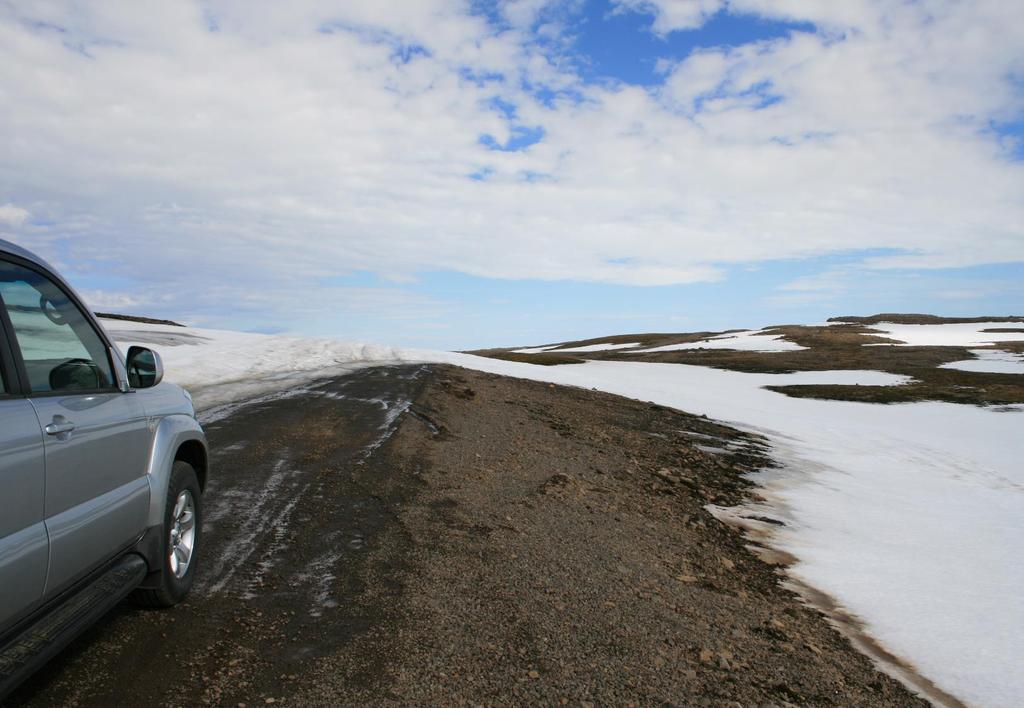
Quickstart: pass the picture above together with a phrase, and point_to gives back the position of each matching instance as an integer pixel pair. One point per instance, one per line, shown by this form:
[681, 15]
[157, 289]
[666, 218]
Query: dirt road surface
[423, 535]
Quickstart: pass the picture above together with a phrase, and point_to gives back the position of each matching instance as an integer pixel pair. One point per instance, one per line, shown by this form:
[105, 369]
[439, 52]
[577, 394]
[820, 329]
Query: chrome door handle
[59, 426]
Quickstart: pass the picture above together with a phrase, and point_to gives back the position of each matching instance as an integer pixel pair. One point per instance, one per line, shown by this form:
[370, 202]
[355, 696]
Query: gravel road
[424, 535]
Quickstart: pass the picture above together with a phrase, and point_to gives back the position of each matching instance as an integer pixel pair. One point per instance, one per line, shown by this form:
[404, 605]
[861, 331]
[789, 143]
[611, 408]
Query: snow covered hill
[908, 515]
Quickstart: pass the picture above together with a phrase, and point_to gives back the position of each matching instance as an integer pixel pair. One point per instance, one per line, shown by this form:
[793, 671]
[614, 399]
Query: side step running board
[41, 641]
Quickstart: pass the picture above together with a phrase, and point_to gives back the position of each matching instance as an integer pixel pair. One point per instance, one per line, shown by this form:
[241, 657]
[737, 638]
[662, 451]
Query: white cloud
[108, 301]
[308, 140]
[671, 15]
[887, 291]
[11, 215]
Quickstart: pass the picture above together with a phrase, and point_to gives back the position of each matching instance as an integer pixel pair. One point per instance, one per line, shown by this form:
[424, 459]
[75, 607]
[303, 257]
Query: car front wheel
[182, 534]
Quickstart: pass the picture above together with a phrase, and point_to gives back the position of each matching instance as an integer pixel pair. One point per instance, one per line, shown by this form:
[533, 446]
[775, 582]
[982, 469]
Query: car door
[96, 439]
[23, 543]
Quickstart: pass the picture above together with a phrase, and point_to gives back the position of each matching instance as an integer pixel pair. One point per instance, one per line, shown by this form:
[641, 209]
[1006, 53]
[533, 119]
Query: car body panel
[108, 448]
[97, 494]
[23, 539]
[83, 537]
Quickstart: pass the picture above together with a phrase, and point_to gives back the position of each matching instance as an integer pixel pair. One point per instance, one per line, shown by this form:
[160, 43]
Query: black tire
[169, 589]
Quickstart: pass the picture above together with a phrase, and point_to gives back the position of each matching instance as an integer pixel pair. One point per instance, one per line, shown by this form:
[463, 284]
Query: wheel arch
[195, 454]
[178, 438]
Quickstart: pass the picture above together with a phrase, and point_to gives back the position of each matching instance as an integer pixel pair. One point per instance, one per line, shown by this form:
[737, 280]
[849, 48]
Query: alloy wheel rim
[183, 534]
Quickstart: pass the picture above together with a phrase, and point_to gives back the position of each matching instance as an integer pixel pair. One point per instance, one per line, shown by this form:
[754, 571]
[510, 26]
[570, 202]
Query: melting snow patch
[750, 341]
[534, 350]
[949, 335]
[603, 347]
[993, 361]
[841, 377]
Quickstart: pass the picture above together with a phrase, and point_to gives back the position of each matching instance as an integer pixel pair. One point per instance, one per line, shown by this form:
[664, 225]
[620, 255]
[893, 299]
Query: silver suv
[102, 470]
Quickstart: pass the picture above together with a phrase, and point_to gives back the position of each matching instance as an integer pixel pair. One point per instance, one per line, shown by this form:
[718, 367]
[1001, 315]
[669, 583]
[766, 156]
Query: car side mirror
[145, 369]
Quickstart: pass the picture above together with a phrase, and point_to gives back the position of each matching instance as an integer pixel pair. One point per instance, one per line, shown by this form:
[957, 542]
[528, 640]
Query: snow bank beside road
[218, 366]
[909, 515]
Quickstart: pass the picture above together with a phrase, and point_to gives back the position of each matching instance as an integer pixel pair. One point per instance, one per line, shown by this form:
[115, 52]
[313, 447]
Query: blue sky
[621, 45]
[519, 172]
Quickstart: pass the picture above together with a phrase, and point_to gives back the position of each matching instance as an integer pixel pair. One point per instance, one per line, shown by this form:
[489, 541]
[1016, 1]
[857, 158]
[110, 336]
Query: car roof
[16, 250]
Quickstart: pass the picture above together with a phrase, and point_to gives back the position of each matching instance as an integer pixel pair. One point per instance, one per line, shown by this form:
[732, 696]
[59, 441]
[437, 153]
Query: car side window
[60, 348]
